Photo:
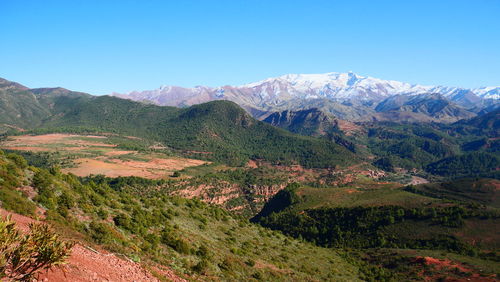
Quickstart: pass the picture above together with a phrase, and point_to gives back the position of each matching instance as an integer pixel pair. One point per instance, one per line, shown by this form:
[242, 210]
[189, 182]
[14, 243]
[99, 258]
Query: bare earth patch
[447, 265]
[69, 139]
[418, 180]
[27, 148]
[92, 155]
[153, 169]
[118, 153]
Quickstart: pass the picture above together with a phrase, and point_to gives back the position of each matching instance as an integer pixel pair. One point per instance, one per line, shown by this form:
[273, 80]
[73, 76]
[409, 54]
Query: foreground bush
[24, 256]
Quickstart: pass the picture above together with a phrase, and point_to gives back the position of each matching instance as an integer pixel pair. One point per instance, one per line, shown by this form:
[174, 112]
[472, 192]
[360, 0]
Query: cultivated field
[84, 155]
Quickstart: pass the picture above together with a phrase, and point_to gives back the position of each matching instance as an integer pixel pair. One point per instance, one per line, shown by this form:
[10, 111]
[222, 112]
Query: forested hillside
[196, 240]
[465, 148]
[219, 130]
[455, 219]
[343, 203]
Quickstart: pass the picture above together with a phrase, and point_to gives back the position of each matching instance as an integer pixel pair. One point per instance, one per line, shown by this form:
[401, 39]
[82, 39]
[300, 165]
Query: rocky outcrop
[247, 200]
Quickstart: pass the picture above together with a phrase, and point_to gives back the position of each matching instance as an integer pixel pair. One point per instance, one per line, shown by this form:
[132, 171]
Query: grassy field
[478, 191]
[364, 192]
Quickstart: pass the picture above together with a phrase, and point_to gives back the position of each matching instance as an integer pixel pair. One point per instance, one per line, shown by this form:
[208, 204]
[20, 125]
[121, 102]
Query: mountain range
[303, 171]
[346, 95]
[222, 131]
[217, 130]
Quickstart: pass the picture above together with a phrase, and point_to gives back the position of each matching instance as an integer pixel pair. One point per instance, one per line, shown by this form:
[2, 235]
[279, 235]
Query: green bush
[18, 160]
[23, 257]
[169, 238]
[100, 232]
[123, 221]
[42, 179]
[13, 200]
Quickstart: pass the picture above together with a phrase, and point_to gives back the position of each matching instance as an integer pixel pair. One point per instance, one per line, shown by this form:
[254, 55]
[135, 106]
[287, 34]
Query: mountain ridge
[348, 79]
[222, 128]
[346, 95]
[309, 86]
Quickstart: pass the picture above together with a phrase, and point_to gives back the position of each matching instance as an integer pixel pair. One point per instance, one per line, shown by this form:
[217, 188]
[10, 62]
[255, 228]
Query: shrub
[14, 201]
[18, 160]
[229, 263]
[23, 257]
[203, 252]
[250, 262]
[201, 267]
[102, 213]
[170, 239]
[100, 232]
[65, 201]
[123, 221]
[42, 179]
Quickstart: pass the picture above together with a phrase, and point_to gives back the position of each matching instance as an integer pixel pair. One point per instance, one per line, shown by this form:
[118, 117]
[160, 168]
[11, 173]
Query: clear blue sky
[104, 46]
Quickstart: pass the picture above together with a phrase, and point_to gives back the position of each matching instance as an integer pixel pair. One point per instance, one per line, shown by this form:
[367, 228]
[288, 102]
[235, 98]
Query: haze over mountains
[346, 95]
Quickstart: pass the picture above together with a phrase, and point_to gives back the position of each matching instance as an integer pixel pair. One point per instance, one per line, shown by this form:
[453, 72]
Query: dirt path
[86, 264]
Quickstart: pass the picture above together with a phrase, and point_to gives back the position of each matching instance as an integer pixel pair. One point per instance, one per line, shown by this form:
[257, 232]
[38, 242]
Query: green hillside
[196, 240]
[449, 217]
[466, 148]
[222, 131]
[219, 130]
[349, 221]
[478, 164]
[447, 151]
[469, 190]
[19, 107]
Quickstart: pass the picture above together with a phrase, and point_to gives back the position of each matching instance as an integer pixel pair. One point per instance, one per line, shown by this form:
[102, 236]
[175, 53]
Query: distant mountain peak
[310, 80]
[293, 91]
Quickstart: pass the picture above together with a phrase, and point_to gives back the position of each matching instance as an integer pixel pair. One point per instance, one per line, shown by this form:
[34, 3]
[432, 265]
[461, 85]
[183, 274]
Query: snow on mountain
[488, 92]
[340, 87]
[349, 85]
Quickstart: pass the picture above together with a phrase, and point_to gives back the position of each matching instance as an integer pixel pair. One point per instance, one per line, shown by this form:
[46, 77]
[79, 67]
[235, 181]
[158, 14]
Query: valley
[209, 192]
[274, 141]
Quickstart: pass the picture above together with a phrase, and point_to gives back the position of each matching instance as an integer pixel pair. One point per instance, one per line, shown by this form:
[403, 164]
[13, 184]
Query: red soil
[444, 264]
[252, 164]
[14, 127]
[155, 168]
[118, 153]
[33, 140]
[106, 163]
[28, 148]
[86, 264]
[349, 128]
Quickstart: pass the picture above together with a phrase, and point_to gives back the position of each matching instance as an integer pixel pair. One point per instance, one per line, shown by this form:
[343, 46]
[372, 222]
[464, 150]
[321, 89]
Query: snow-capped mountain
[350, 85]
[487, 92]
[291, 90]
